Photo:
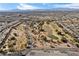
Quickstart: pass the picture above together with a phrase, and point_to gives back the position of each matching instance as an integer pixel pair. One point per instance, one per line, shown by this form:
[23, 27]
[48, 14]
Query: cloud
[39, 1]
[68, 5]
[73, 5]
[26, 7]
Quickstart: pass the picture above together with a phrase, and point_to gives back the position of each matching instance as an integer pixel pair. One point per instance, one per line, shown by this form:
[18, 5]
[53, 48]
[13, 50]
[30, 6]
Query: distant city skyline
[33, 6]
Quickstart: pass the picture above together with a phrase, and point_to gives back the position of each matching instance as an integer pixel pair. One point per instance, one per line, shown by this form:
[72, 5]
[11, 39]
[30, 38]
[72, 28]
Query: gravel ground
[54, 52]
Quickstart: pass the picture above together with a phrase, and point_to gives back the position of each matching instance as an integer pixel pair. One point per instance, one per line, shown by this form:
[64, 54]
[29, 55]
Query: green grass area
[53, 37]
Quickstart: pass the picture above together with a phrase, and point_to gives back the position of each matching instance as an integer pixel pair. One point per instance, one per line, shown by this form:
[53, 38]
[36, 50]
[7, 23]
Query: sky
[33, 6]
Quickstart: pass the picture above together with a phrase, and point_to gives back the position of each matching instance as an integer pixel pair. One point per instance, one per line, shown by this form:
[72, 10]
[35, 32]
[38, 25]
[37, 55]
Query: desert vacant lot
[39, 33]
